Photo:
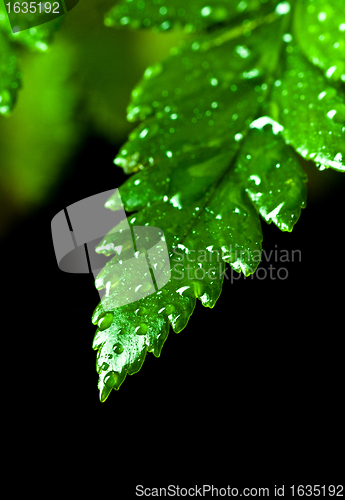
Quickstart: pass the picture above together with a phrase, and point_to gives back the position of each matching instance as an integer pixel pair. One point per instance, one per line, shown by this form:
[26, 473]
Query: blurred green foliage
[80, 85]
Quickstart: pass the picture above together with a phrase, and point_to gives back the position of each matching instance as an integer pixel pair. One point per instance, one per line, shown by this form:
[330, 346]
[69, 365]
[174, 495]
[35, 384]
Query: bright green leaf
[319, 26]
[272, 176]
[207, 162]
[311, 112]
[201, 98]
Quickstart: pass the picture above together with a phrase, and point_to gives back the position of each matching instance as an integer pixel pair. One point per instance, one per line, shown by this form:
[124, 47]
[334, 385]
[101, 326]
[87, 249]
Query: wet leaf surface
[319, 26]
[223, 121]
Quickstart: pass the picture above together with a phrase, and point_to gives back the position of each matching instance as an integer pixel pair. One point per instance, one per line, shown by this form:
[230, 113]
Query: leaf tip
[112, 380]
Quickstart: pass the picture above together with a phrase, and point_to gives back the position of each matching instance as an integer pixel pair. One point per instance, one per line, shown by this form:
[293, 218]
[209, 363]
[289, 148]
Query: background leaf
[312, 112]
[193, 16]
[319, 26]
[74, 90]
[10, 76]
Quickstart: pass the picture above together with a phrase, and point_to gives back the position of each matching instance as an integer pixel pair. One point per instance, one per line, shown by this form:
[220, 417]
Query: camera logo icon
[24, 14]
[128, 262]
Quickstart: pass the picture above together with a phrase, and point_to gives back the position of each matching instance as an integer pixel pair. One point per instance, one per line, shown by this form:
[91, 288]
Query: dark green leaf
[272, 176]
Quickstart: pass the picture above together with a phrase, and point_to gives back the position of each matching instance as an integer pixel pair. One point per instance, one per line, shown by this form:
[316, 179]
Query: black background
[254, 384]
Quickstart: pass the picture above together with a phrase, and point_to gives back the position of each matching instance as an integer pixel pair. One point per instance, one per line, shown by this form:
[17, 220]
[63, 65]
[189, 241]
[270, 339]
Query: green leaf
[185, 154]
[320, 31]
[193, 16]
[273, 178]
[312, 113]
[224, 122]
[220, 85]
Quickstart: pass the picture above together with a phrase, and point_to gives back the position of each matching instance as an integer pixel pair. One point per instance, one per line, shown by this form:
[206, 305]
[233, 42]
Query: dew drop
[111, 379]
[169, 309]
[282, 8]
[5, 98]
[166, 25]
[330, 71]
[206, 11]
[256, 179]
[331, 113]
[144, 133]
[242, 51]
[141, 311]
[145, 287]
[339, 116]
[250, 74]
[287, 37]
[118, 348]
[242, 6]
[105, 321]
[125, 20]
[141, 329]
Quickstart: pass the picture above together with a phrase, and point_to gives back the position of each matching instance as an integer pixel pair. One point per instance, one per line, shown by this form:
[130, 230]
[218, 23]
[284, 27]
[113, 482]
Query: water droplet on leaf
[105, 321]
